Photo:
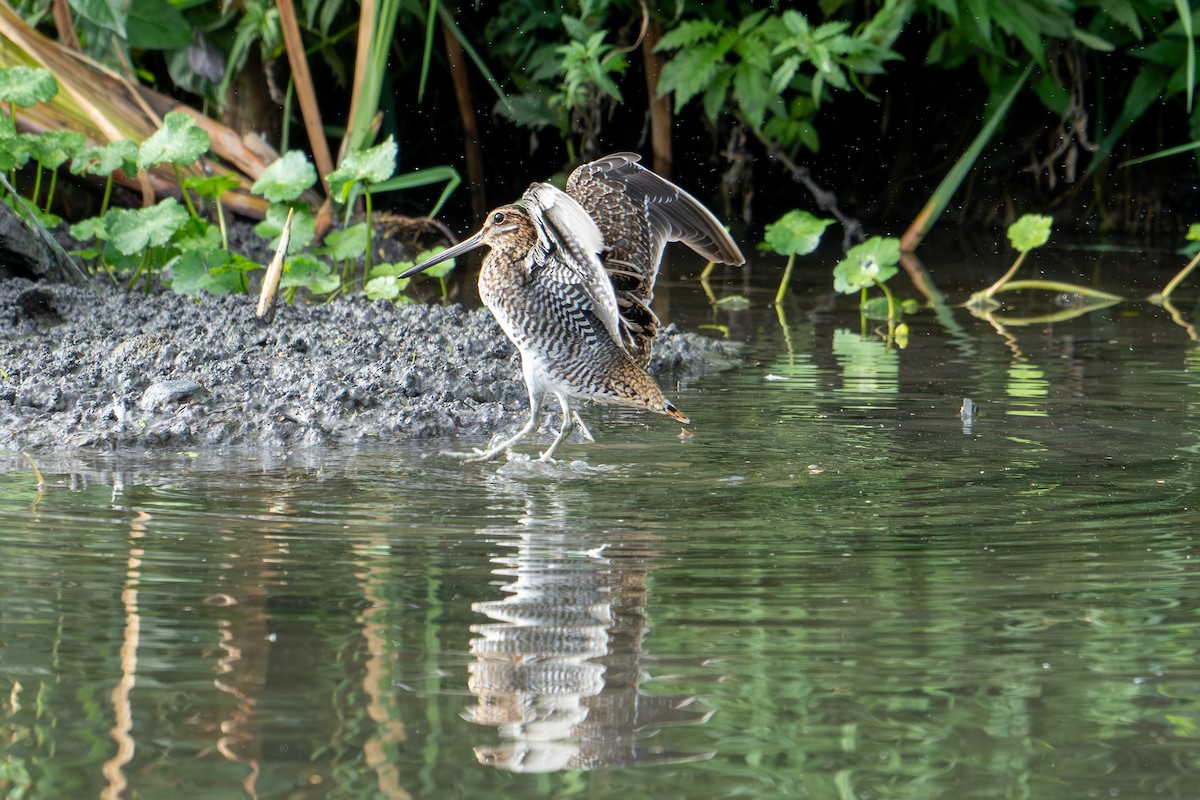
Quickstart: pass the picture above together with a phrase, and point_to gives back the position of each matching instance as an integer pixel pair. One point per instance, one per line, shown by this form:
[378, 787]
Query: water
[838, 586]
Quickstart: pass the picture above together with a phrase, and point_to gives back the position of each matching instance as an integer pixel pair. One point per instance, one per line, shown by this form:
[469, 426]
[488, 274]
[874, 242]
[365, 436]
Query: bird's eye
[498, 217]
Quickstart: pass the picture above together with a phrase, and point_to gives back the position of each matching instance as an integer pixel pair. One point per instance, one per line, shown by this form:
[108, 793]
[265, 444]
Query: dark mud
[104, 369]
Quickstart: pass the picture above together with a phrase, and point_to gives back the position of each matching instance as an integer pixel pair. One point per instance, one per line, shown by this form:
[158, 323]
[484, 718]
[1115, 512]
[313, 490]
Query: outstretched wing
[568, 252]
[638, 213]
[643, 211]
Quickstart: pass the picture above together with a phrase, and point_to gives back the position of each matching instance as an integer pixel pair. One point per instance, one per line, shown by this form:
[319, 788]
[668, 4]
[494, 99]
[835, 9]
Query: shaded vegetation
[742, 81]
[883, 113]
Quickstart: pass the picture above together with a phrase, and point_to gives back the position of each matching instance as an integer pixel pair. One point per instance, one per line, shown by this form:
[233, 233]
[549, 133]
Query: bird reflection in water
[559, 671]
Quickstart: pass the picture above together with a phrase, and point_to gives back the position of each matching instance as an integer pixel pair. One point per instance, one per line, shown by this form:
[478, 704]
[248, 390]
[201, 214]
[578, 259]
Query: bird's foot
[476, 456]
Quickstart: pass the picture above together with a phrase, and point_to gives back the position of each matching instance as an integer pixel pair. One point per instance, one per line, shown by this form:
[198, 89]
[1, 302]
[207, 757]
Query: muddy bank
[105, 369]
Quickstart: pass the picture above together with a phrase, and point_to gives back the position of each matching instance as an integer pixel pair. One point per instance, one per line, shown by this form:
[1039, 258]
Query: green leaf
[1030, 231]
[734, 302]
[103, 161]
[784, 74]
[422, 177]
[51, 149]
[687, 33]
[1193, 233]
[88, 229]
[690, 72]
[178, 141]
[216, 272]
[373, 165]
[197, 234]
[796, 233]
[304, 226]
[26, 86]
[286, 178]
[188, 271]
[211, 186]
[1185, 19]
[1092, 40]
[14, 153]
[873, 261]
[156, 25]
[107, 14]
[347, 243]
[437, 270]
[393, 270]
[715, 99]
[309, 273]
[876, 307]
[133, 230]
[1123, 12]
[385, 287]
[752, 89]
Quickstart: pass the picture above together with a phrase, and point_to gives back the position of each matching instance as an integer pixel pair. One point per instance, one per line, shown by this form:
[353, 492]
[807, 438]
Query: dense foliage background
[761, 103]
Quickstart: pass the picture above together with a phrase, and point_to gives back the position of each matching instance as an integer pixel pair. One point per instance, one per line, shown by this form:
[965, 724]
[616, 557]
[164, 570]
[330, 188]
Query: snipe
[570, 278]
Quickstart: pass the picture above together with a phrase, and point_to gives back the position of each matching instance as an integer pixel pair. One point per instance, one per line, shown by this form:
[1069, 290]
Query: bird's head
[506, 227]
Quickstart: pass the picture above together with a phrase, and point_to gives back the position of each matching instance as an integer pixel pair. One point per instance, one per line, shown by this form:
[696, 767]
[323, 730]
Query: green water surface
[833, 587]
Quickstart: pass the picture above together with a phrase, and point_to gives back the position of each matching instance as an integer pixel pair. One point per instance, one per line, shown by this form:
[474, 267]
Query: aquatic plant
[796, 233]
[1028, 233]
[1193, 235]
[872, 264]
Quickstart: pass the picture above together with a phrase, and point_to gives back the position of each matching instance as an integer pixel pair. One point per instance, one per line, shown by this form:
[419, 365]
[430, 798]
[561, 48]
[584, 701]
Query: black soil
[106, 369]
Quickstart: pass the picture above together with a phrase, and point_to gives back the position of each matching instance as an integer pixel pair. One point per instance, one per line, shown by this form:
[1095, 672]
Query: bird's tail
[674, 413]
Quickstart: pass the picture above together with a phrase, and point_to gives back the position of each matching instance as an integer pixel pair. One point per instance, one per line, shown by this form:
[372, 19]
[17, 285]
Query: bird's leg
[535, 406]
[568, 424]
[583, 428]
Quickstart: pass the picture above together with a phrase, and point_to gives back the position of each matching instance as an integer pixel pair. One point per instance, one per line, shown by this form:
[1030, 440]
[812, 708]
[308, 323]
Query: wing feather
[568, 250]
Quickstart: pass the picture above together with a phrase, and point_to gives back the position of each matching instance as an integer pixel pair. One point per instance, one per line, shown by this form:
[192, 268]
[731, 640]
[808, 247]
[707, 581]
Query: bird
[570, 278]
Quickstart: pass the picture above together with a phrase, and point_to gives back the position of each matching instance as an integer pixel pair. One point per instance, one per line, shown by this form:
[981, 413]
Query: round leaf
[873, 261]
[88, 229]
[103, 161]
[26, 86]
[14, 152]
[1030, 231]
[440, 270]
[52, 148]
[178, 141]
[373, 165]
[310, 273]
[304, 226]
[796, 233]
[286, 178]
[347, 243]
[133, 230]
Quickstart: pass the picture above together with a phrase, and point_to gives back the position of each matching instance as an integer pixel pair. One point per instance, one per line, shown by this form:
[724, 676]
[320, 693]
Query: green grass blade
[1185, 17]
[958, 173]
[423, 177]
[431, 17]
[1170, 151]
[358, 130]
[471, 52]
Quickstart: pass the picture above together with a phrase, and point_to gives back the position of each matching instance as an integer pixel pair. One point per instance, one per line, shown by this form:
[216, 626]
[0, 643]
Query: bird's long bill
[465, 246]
